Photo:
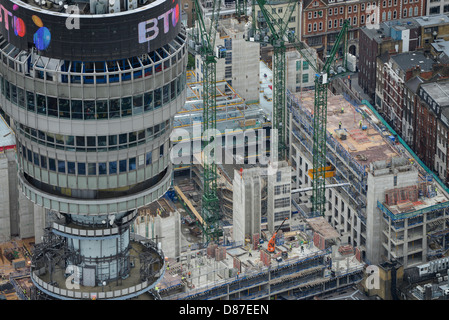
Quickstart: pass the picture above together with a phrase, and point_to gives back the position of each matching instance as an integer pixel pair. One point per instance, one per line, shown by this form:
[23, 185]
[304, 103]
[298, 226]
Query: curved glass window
[93, 109]
[92, 169]
[81, 168]
[113, 167]
[94, 143]
[52, 164]
[122, 165]
[70, 167]
[102, 168]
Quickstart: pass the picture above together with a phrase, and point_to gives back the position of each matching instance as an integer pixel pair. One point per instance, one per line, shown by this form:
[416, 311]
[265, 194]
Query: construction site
[15, 259]
[303, 193]
[381, 176]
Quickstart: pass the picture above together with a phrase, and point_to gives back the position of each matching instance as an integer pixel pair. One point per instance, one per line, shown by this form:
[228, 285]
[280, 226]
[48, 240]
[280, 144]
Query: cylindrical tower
[91, 89]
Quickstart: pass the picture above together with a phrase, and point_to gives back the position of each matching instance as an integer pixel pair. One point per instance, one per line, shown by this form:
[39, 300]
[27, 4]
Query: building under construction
[392, 206]
[118, 233]
[298, 269]
[403, 217]
[235, 118]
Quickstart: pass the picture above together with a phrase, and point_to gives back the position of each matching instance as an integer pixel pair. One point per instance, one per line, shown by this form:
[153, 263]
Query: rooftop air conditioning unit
[132, 4]
[58, 4]
[98, 6]
[114, 6]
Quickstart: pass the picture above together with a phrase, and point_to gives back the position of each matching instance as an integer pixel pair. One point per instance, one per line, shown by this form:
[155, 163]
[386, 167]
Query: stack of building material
[401, 195]
[405, 206]
[10, 254]
[319, 241]
[237, 264]
[211, 250]
[247, 123]
[359, 136]
[220, 253]
[18, 263]
[265, 257]
[431, 192]
[256, 238]
[341, 133]
[346, 250]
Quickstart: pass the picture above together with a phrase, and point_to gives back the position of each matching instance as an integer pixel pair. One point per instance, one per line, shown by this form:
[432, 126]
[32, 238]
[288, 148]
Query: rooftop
[441, 46]
[215, 273]
[439, 91]
[408, 60]
[366, 144]
[320, 225]
[432, 20]
[427, 199]
[413, 83]
[384, 30]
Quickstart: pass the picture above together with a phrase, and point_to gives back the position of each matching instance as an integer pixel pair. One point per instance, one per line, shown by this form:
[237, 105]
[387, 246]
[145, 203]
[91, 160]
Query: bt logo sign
[149, 30]
[41, 38]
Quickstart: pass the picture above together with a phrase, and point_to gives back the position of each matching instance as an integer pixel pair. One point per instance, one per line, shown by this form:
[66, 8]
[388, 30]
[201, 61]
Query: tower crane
[209, 55]
[325, 71]
[277, 34]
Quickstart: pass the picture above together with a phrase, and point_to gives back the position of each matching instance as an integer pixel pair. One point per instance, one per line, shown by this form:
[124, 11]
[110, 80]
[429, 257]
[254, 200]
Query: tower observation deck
[91, 88]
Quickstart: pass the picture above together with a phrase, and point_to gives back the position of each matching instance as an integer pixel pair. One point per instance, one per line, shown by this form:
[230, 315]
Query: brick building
[397, 36]
[409, 110]
[415, 102]
[433, 28]
[396, 72]
[391, 37]
[400, 9]
[323, 19]
[433, 126]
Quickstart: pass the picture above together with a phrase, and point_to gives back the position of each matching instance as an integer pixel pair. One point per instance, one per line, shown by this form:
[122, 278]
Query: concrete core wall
[166, 230]
[5, 224]
[382, 177]
[278, 195]
[14, 210]
[247, 204]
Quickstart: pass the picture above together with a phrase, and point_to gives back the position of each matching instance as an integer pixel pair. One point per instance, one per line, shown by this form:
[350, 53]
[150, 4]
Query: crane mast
[320, 123]
[279, 34]
[210, 203]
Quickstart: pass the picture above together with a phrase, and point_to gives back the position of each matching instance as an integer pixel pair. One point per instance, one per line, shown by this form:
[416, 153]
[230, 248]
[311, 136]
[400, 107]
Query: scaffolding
[209, 280]
[347, 167]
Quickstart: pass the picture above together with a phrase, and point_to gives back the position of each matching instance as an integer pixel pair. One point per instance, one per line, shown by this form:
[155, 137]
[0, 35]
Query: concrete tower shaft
[92, 106]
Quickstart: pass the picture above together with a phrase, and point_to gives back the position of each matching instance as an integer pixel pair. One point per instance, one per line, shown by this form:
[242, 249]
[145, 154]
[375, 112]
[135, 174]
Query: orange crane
[272, 242]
